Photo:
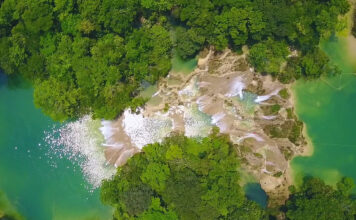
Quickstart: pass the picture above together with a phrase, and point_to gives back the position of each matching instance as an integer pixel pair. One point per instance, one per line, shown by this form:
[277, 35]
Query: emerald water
[254, 192]
[327, 107]
[185, 66]
[40, 184]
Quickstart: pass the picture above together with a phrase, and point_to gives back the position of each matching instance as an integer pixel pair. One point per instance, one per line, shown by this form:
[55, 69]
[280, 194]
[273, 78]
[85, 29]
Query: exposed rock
[223, 91]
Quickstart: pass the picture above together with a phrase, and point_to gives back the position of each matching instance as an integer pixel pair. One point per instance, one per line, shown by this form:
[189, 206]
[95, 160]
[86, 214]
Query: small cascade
[107, 130]
[236, 88]
[263, 98]
[217, 117]
[118, 146]
[191, 90]
[269, 117]
[197, 124]
[250, 135]
[146, 130]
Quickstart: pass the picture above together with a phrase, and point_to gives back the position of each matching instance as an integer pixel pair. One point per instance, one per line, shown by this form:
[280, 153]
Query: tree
[268, 56]
[102, 51]
[316, 200]
[188, 42]
[185, 179]
[315, 64]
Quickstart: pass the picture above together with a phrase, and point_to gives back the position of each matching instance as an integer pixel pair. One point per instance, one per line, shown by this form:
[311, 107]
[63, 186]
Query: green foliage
[181, 178]
[314, 64]
[284, 93]
[73, 53]
[353, 30]
[268, 56]
[188, 42]
[316, 200]
[96, 54]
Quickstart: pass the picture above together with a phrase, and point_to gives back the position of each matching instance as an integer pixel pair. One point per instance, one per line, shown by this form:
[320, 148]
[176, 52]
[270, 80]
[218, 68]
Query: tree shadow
[13, 81]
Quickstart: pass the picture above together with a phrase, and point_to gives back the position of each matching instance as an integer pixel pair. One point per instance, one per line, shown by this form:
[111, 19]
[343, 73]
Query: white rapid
[217, 117]
[269, 117]
[197, 124]
[263, 98]
[236, 88]
[146, 130]
[81, 142]
[250, 135]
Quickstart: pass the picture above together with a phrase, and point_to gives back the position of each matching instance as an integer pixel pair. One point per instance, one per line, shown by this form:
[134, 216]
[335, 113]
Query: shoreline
[308, 148]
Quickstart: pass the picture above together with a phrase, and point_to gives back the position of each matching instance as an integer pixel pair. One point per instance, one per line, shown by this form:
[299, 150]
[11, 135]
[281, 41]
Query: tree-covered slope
[91, 56]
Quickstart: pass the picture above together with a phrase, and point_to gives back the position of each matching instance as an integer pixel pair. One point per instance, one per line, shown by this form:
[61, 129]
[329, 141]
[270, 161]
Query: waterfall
[236, 88]
[81, 142]
[197, 123]
[263, 98]
[250, 135]
[146, 130]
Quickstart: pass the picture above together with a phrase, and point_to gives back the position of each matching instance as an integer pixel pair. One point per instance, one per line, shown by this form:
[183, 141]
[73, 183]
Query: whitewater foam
[263, 98]
[197, 124]
[143, 131]
[237, 88]
[81, 142]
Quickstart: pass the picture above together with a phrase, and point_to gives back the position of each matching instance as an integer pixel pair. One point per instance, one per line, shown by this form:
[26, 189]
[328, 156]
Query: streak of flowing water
[236, 89]
[197, 124]
[251, 135]
[263, 98]
[269, 117]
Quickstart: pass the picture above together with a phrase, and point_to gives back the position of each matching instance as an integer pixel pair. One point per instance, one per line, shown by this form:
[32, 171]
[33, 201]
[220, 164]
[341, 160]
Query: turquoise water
[185, 66]
[255, 193]
[327, 107]
[40, 184]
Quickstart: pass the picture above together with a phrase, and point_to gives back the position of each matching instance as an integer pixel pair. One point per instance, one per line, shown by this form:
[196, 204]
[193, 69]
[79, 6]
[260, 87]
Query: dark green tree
[316, 200]
[181, 178]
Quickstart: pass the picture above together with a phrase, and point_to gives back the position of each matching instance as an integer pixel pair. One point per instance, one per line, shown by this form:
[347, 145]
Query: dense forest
[316, 200]
[93, 56]
[181, 178]
[188, 179]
